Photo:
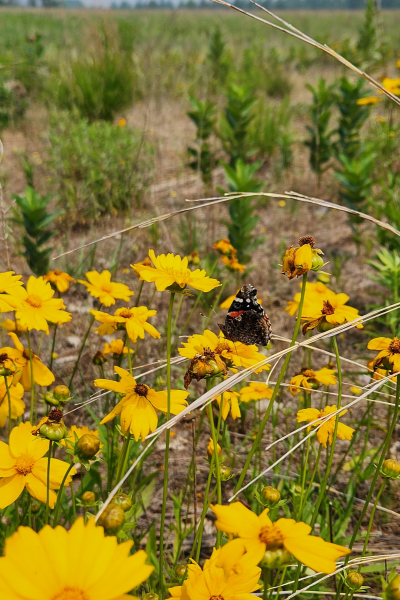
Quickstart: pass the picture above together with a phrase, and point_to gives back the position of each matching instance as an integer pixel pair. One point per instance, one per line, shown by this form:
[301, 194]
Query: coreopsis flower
[234, 354]
[256, 390]
[11, 291]
[78, 564]
[20, 355]
[38, 306]
[13, 326]
[139, 404]
[121, 122]
[391, 85]
[325, 431]
[17, 404]
[368, 100]
[133, 320]
[214, 582]
[204, 366]
[314, 295]
[100, 286]
[233, 264]
[258, 535]
[230, 403]
[143, 263]
[389, 356]
[311, 380]
[60, 279]
[116, 348]
[171, 273]
[301, 259]
[22, 466]
[334, 312]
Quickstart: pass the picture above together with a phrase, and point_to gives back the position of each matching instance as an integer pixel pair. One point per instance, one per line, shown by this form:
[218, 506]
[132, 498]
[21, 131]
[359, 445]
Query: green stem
[46, 518]
[128, 345]
[330, 459]
[122, 456]
[263, 423]
[53, 345]
[166, 462]
[199, 533]
[371, 519]
[32, 416]
[9, 406]
[59, 495]
[81, 350]
[303, 480]
[139, 293]
[216, 458]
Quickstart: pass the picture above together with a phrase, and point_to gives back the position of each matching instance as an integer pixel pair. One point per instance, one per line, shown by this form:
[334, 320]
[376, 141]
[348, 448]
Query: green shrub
[320, 141]
[33, 216]
[219, 58]
[13, 103]
[98, 168]
[204, 159]
[234, 126]
[352, 116]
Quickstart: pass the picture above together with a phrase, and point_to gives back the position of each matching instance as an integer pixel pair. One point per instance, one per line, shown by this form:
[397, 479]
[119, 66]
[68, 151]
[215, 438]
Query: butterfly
[246, 320]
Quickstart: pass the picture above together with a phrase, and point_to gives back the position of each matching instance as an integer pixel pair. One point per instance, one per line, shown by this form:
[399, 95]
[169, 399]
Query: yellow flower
[79, 564]
[143, 263]
[325, 432]
[121, 122]
[60, 279]
[23, 466]
[211, 582]
[255, 391]
[355, 390]
[17, 404]
[139, 405]
[11, 291]
[298, 261]
[39, 306]
[80, 431]
[333, 313]
[224, 246]
[389, 355]
[41, 374]
[368, 100]
[233, 264]
[210, 448]
[314, 295]
[392, 85]
[100, 286]
[235, 354]
[13, 326]
[134, 320]
[257, 534]
[310, 380]
[229, 403]
[170, 270]
[115, 347]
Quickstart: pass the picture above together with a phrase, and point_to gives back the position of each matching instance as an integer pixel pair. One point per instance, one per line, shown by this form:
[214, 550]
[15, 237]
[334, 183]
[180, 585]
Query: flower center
[107, 287]
[125, 313]
[309, 373]
[35, 301]
[328, 309]
[219, 597]
[141, 389]
[24, 464]
[25, 353]
[57, 272]
[221, 347]
[270, 536]
[307, 239]
[3, 357]
[394, 346]
[71, 593]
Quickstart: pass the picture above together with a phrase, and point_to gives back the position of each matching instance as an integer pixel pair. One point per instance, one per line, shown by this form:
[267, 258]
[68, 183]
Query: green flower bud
[180, 569]
[88, 497]
[325, 326]
[49, 398]
[99, 358]
[270, 495]
[35, 507]
[317, 261]
[112, 518]
[274, 559]
[61, 393]
[123, 500]
[53, 428]
[391, 468]
[151, 595]
[393, 589]
[354, 580]
[87, 446]
[225, 472]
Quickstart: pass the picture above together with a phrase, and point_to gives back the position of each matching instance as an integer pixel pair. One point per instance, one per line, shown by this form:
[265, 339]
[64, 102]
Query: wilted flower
[51, 427]
[60, 279]
[311, 380]
[99, 358]
[326, 430]
[301, 259]
[100, 286]
[204, 366]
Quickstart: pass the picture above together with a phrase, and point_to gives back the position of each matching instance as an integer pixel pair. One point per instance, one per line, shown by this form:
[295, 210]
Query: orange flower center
[394, 346]
[221, 347]
[125, 313]
[57, 272]
[107, 287]
[141, 389]
[35, 301]
[71, 593]
[328, 309]
[309, 373]
[271, 536]
[24, 464]
[219, 597]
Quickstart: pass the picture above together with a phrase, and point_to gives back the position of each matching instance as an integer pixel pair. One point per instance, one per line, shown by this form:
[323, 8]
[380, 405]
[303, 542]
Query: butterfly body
[246, 321]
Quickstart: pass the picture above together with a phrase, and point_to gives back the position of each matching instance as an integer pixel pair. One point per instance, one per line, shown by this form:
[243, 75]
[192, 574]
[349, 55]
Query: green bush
[352, 116]
[320, 142]
[13, 103]
[98, 168]
[234, 127]
[203, 156]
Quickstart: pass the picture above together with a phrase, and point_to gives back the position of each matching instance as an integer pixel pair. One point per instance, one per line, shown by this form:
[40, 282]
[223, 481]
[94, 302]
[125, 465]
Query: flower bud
[49, 398]
[123, 500]
[87, 446]
[150, 596]
[274, 559]
[52, 427]
[61, 393]
[393, 589]
[354, 580]
[180, 569]
[224, 472]
[210, 448]
[391, 468]
[35, 507]
[88, 497]
[112, 518]
[7, 366]
[99, 358]
[317, 260]
[271, 496]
